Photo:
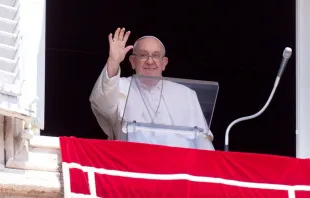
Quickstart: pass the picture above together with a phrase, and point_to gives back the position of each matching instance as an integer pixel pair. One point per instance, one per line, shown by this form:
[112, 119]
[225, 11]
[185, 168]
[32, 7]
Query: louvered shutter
[22, 59]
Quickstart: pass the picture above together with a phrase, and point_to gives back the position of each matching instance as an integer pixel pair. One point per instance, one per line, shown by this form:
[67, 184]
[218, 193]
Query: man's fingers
[129, 47]
[126, 36]
[116, 34]
[121, 34]
[110, 38]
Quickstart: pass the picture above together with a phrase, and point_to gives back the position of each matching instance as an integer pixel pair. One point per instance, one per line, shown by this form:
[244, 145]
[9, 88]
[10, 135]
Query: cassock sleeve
[104, 102]
[200, 118]
[201, 142]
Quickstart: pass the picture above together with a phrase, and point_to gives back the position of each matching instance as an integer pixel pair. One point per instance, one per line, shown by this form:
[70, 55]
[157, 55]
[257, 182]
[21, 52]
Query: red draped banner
[115, 169]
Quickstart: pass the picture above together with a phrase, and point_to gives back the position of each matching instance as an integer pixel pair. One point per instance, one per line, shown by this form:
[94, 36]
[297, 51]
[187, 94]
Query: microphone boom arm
[251, 116]
[286, 55]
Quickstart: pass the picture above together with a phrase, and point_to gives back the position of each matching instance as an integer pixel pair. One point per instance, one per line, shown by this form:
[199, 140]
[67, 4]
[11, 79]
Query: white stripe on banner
[92, 182]
[291, 193]
[66, 179]
[291, 189]
[78, 195]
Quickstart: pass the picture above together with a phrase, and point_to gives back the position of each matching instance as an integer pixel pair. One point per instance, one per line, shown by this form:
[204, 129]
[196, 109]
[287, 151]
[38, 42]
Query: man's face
[148, 58]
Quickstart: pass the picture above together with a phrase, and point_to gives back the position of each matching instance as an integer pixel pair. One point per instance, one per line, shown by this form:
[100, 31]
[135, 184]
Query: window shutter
[22, 59]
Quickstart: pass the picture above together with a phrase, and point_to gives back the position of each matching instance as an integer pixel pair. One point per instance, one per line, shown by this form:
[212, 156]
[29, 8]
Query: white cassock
[166, 103]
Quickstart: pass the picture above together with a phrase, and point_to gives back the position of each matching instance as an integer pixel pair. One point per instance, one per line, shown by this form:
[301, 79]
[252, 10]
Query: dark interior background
[236, 43]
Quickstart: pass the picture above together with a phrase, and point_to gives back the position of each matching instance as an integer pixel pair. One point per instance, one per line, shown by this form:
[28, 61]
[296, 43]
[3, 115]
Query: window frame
[302, 78]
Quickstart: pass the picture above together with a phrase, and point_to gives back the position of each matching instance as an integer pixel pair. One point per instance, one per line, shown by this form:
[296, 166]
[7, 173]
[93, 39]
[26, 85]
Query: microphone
[286, 56]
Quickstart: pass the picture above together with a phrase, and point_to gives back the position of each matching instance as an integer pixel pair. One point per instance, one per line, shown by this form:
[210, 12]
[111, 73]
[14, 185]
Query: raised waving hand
[118, 50]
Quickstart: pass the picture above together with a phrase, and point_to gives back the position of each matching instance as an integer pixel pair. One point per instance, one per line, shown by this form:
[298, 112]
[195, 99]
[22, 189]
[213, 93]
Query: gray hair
[143, 37]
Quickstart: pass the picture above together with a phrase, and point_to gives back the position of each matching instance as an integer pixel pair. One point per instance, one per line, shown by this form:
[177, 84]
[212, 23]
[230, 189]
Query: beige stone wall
[29, 164]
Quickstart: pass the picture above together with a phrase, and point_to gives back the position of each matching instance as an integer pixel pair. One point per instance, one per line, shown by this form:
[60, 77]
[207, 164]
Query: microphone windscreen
[287, 52]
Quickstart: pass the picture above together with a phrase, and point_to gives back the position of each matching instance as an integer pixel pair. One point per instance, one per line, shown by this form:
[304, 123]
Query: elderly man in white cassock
[166, 102]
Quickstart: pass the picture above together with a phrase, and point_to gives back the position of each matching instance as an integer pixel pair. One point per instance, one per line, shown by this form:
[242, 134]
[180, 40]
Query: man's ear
[165, 62]
[132, 61]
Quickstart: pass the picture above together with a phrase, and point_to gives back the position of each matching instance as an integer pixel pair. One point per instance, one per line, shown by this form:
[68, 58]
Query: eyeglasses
[145, 57]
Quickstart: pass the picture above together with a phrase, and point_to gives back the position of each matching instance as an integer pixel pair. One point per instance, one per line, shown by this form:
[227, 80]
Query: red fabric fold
[155, 159]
